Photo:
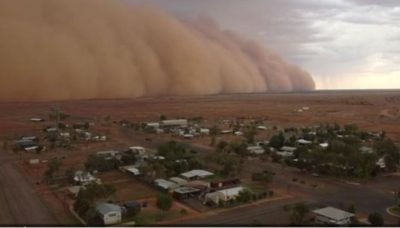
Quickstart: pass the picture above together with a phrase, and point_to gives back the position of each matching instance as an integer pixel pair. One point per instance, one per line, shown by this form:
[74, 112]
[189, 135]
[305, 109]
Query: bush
[164, 202]
[375, 219]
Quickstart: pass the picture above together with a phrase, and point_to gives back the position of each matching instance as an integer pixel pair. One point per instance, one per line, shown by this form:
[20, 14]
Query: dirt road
[19, 203]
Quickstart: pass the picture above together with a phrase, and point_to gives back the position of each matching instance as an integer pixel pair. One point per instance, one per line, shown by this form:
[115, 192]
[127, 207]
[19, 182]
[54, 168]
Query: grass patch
[395, 210]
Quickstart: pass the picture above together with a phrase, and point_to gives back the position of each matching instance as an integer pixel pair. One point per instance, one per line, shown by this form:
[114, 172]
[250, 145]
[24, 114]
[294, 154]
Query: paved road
[19, 203]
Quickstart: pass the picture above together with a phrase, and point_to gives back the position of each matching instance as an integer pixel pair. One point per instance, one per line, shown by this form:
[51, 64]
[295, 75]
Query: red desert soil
[364, 108]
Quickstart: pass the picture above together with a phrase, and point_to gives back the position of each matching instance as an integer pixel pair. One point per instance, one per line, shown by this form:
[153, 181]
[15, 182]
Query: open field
[372, 110]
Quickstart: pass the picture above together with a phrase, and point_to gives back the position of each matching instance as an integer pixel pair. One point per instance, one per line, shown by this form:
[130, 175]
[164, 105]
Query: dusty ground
[374, 110]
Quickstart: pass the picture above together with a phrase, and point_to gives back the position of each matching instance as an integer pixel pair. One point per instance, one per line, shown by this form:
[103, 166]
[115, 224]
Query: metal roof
[197, 173]
[105, 208]
[333, 213]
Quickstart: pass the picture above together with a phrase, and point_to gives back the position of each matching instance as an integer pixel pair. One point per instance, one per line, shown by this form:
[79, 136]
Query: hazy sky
[344, 44]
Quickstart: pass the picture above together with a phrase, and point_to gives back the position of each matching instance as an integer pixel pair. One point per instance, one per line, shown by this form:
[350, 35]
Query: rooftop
[197, 173]
[333, 213]
[105, 208]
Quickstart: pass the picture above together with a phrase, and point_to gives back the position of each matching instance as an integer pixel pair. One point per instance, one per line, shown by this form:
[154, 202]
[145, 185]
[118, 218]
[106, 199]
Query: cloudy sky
[344, 44]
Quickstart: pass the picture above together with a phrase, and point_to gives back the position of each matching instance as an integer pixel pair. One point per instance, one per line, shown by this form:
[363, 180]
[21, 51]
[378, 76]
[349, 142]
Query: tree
[245, 196]
[69, 175]
[375, 219]
[52, 167]
[250, 133]
[297, 213]
[277, 141]
[164, 202]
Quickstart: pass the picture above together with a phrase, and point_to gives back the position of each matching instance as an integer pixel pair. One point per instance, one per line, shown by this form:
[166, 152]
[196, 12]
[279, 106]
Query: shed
[186, 192]
[110, 214]
[332, 216]
[165, 185]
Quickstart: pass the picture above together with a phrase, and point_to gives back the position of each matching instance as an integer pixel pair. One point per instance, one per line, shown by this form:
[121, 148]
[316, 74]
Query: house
[204, 131]
[238, 133]
[188, 136]
[285, 154]
[255, 150]
[130, 169]
[225, 132]
[84, 178]
[22, 144]
[138, 149]
[37, 120]
[332, 216]
[165, 185]
[174, 123]
[288, 149]
[304, 142]
[29, 138]
[186, 192]
[110, 214]
[324, 145]
[261, 128]
[366, 150]
[196, 174]
[222, 195]
[179, 181]
[154, 125]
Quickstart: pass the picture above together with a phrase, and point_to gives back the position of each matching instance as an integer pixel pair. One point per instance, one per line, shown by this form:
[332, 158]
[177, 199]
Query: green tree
[250, 133]
[297, 213]
[164, 202]
[245, 196]
[277, 141]
[375, 219]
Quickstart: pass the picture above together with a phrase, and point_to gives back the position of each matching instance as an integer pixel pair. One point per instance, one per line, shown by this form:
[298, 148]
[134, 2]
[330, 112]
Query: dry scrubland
[371, 110]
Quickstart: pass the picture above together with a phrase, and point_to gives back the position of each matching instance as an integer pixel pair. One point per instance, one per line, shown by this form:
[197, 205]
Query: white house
[255, 149]
[130, 169]
[332, 216]
[285, 154]
[111, 214]
[223, 195]
[84, 178]
[138, 149]
[204, 131]
[304, 142]
[154, 125]
[174, 123]
[324, 145]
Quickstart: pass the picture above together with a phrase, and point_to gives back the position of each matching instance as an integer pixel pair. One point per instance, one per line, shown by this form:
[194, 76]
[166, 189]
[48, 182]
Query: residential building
[332, 216]
[196, 174]
[223, 195]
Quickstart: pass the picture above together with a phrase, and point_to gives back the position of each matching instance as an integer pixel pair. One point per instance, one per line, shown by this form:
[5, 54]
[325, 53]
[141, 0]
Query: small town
[102, 171]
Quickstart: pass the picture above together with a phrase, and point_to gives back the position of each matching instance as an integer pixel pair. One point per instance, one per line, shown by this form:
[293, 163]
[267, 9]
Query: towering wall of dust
[64, 49]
